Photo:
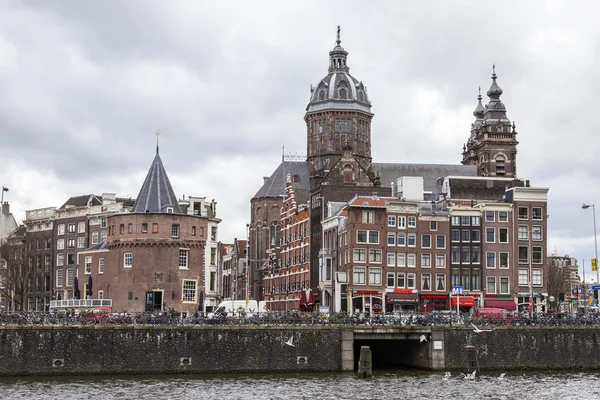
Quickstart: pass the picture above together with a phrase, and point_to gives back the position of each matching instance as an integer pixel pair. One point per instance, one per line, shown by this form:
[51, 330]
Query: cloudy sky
[84, 85]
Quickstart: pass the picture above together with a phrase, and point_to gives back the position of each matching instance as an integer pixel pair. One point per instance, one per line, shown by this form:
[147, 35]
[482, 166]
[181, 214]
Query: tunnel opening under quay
[393, 354]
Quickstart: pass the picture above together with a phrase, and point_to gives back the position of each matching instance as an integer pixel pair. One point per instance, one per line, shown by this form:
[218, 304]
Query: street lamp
[247, 265]
[586, 206]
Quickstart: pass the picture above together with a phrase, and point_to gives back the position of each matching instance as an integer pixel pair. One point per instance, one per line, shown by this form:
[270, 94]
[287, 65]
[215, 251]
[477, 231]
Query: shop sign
[405, 291]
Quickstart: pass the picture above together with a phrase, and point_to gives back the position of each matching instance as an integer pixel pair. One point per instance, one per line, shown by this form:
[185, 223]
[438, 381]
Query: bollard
[470, 359]
[365, 362]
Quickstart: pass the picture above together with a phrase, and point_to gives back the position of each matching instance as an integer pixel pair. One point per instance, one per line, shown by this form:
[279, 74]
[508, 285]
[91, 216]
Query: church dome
[339, 89]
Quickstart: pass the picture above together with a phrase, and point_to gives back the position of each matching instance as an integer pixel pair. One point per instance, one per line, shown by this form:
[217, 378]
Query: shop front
[402, 300]
[432, 302]
[367, 301]
[506, 302]
[465, 303]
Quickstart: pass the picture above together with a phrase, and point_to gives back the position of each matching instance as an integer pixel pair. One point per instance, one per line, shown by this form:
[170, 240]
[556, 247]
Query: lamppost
[247, 264]
[586, 206]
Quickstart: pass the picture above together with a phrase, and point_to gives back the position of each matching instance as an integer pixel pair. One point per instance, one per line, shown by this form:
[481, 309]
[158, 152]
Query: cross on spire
[338, 41]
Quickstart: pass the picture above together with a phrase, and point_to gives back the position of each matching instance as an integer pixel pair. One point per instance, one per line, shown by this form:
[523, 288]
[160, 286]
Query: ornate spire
[338, 56]
[494, 92]
[479, 110]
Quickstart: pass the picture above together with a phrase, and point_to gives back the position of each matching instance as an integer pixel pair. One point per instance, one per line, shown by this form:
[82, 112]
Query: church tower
[492, 146]
[338, 124]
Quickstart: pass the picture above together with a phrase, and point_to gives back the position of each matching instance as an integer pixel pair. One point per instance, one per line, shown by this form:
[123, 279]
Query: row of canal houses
[486, 235]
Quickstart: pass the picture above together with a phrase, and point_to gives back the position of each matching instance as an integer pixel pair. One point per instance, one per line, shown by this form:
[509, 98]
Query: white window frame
[189, 293]
[401, 260]
[357, 253]
[392, 276]
[411, 260]
[88, 265]
[100, 266]
[523, 232]
[184, 255]
[391, 259]
[507, 279]
[437, 242]
[375, 256]
[411, 237]
[60, 244]
[400, 278]
[490, 284]
[523, 275]
[392, 221]
[81, 227]
[401, 222]
[491, 218]
[358, 232]
[500, 260]
[61, 229]
[392, 236]
[81, 242]
[359, 275]
[375, 276]
[60, 259]
[411, 276]
[60, 277]
[426, 260]
[128, 260]
[423, 280]
[442, 263]
[368, 217]
[541, 217]
[442, 280]
[412, 222]
[401, 242]
[423, 246]
[493, 232]
[487, 264]
[526, 218]
[95, 237]
[502, 216]
[537, 233]
[537, 277]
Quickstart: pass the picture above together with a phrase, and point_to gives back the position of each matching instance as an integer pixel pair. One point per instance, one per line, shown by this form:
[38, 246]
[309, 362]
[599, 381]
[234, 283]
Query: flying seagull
[422, 339]
[501, 377]
[290, 342]
[477, 330]
[447, 376]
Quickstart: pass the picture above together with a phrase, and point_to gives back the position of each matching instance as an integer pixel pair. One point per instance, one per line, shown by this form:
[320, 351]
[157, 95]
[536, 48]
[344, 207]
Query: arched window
[342, 93]
[361, 95]
[321, 94]
[347, 173]
[500, 165]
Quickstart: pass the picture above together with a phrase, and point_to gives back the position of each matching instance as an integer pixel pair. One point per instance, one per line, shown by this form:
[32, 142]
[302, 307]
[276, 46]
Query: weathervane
[157, 134]
[338, 36]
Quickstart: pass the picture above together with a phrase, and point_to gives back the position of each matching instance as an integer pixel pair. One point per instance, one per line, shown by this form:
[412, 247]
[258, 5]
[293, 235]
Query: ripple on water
[385, 385]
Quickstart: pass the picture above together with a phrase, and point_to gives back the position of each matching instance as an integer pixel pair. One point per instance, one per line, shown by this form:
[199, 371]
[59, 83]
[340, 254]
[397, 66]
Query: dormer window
[169, 210]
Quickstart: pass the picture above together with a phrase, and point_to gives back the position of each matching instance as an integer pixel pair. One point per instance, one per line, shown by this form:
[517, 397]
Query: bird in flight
[469, 376]
[501, 377]
[477, 330]
[422, 339]
[447, 376]
[290, 342]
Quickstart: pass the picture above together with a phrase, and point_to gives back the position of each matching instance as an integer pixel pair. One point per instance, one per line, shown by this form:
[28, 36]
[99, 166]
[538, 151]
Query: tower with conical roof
[492, 146]
[157, 194]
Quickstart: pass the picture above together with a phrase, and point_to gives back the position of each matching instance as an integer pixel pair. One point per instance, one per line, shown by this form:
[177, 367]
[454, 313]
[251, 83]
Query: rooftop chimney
[5, 208]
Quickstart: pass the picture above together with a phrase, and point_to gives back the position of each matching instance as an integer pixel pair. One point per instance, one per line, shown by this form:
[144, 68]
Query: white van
[232, 308]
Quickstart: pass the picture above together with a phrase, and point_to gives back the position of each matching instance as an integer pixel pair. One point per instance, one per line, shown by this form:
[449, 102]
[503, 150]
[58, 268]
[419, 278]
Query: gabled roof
[82, 201]
[157, 194]
[274, 186]
[390, 172]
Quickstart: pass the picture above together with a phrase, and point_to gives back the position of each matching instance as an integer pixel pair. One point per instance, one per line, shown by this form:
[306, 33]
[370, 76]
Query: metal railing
[85, 318]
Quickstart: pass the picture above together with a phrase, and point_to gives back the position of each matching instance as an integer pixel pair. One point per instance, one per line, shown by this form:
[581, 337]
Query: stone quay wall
[523, 348]
[164, 350]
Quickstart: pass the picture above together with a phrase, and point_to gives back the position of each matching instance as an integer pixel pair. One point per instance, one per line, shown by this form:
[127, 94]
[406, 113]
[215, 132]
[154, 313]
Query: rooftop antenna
[157, 135]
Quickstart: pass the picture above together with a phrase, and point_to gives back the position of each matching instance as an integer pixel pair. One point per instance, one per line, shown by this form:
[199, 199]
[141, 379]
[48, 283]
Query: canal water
[383, 385]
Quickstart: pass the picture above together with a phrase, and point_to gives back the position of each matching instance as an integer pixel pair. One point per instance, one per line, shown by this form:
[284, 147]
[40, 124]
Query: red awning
[508, 304]
[464, 301]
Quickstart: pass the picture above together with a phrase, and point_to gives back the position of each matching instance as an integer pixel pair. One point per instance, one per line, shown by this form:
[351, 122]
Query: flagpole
[4, 189]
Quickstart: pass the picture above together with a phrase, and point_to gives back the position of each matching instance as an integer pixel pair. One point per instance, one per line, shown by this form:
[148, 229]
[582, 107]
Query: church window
[295, 179]
[500, 159]
[342, 93]
[321, 94]
[361, 95]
